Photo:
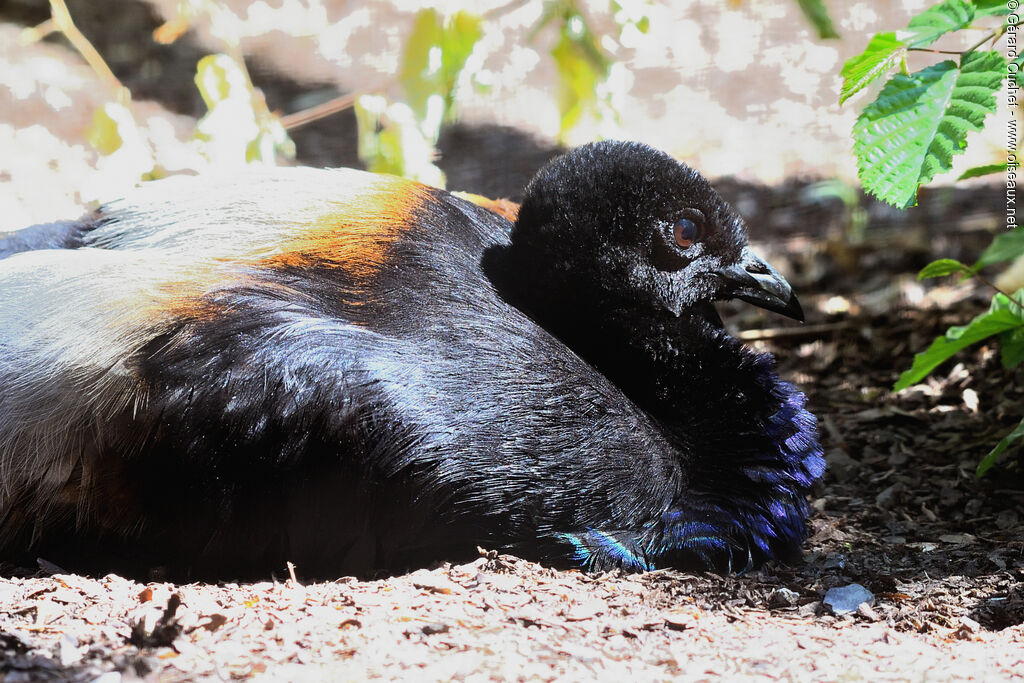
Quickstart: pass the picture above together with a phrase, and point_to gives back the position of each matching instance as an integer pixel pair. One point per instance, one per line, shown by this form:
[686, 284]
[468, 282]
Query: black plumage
[358, 374]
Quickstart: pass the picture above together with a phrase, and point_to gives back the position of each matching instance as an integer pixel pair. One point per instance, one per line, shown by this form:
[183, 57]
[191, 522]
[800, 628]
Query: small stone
[970, 397]
[957, 539]
[897, 458]
[1007, 519]
[969, 624]
[69, 651]
[783, 597]
[847, 599]
[949, 496]
[434, 628]
[888, 496]
[864, 610]
[835, 561]
[841, 466]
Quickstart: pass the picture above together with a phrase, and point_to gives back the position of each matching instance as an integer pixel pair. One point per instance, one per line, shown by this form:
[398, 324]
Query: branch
[62, 20]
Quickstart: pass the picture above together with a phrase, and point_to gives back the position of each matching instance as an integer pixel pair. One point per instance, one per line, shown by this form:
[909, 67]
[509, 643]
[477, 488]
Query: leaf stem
[991, 284]
[994, 35]
[933, 51]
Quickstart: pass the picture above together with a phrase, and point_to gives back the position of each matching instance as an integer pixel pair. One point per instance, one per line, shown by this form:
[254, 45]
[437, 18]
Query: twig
[991, 284]
[993, 36]
[62, 20]
[291, 574]
[324, 109]
[36, 33]
[505, 9]
[938, 52]
[331, 106]
[794, 332]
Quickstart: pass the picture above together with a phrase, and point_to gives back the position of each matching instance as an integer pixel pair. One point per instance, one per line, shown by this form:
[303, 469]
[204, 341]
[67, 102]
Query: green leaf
[978, 171]
[987, 8]
[956, 339]
[435, 54]
[817, 14]
[918, 122]
[936, 21]
[1011, 348]
[1013, 68]
[1001, 302]
[391, 140]
[993, 455]
[218, 78]
[104, 134]
[462, 32]
[421, 73]
[1005, 246]
[1011, 342]
[582, 65]
[942, 267]
[882, 54]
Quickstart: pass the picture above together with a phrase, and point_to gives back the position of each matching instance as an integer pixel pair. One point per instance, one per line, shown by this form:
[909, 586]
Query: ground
[899, 512]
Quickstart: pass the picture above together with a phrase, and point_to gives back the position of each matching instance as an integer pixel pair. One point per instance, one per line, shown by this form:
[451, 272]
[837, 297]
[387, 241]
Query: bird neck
[747, 447]
[657, 359]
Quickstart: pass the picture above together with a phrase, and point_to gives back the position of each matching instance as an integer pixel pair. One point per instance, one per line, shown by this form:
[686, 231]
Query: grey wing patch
[69, 320]
[60, 235]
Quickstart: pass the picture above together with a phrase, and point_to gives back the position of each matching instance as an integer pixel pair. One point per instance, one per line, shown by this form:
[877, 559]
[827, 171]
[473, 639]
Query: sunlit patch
[355, 235]
[502, 207]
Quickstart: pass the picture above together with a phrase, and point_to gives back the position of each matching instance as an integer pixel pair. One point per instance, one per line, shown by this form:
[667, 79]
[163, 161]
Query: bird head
[653, 227]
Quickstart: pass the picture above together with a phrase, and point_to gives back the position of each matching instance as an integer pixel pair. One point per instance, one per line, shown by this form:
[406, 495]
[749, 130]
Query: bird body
[360, 373]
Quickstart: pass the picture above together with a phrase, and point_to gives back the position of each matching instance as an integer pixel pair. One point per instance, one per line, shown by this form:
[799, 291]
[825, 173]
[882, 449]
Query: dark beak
[756, 282]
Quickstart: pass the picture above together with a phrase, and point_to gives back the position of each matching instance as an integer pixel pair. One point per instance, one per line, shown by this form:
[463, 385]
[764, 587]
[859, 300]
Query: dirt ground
[899, 512]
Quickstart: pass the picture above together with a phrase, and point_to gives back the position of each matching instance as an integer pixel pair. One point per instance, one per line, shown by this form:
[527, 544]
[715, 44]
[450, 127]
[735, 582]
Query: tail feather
[59, 235]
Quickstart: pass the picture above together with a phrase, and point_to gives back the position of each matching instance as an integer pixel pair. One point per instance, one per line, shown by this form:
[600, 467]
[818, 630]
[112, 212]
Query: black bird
[358, 373]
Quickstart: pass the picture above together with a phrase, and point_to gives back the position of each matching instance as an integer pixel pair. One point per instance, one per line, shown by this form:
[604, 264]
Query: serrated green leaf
[1005, 246]
[956, 339]
[986, 169]
[1014, 67]
[881, 55]
[918, 122]
[993, 455]
[940, 268]
[936, 21]
[816, 13]
[987, 8]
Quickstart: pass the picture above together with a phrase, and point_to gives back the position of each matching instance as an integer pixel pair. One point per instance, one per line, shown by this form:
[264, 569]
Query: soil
[900, 511]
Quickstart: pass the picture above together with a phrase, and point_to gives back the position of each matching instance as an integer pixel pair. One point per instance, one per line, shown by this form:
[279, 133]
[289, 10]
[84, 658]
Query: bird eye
[686, 232]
